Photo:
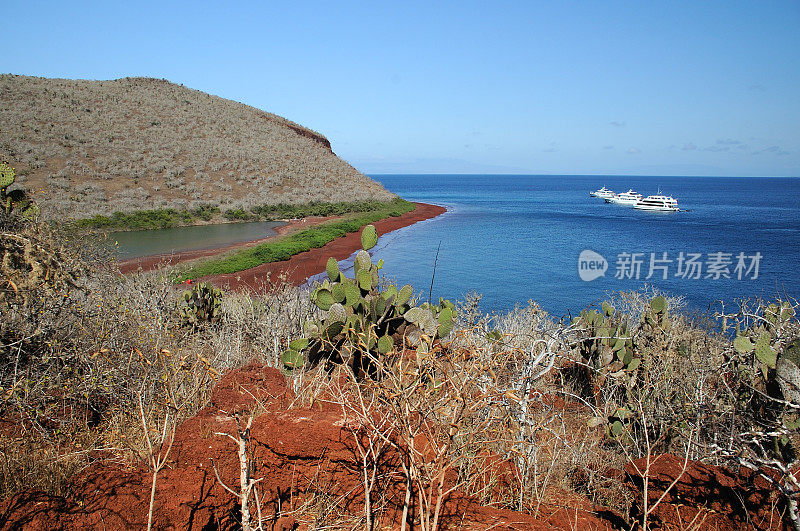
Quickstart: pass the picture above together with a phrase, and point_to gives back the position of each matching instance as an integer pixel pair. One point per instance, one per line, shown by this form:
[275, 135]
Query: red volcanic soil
[710, 496]
[306, 451]
[299, 267]
[297, 452]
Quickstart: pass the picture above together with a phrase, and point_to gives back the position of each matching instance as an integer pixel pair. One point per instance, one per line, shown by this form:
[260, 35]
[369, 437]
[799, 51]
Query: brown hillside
[89, 147]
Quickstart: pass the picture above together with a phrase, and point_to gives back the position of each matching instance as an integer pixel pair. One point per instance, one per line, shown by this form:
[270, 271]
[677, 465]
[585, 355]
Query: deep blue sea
[515, 238]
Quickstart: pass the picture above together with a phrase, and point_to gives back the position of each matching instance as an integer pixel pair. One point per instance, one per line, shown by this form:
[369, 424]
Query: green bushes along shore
[167, 217]
[284, 248]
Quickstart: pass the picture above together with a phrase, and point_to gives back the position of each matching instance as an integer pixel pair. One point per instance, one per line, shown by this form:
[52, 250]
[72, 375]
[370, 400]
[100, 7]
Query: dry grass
[77, 355]
[503, 390]
[94, 147]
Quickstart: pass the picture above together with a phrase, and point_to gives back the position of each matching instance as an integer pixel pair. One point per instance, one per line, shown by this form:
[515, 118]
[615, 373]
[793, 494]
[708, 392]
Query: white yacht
[628, 198]
[661, 203]
[603, 192]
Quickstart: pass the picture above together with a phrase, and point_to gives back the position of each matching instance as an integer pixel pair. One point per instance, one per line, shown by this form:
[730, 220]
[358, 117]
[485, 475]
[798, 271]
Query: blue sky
[597, 87]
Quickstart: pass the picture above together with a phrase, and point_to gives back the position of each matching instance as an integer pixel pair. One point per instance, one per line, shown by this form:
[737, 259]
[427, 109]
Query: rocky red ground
[302, 452]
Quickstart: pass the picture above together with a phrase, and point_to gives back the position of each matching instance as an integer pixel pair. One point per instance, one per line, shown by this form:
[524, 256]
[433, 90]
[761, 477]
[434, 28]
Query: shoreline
[147, 263]
[299, 267]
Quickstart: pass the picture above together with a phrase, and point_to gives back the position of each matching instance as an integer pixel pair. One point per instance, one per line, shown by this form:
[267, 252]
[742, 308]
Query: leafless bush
[247, 484]
[435, 410]
[759, 406]
[157, 454]
[79, 344]
[634, 304]
[687, 399]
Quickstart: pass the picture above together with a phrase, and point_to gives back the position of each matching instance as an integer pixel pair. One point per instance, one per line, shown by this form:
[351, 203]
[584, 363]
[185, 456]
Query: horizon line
[592, 175]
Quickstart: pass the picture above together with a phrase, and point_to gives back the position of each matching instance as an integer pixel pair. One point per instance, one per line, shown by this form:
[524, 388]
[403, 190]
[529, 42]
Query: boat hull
[653, 208]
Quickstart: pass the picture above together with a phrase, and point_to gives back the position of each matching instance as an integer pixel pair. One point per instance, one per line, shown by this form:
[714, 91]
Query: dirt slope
[305, 453]
[87, 147]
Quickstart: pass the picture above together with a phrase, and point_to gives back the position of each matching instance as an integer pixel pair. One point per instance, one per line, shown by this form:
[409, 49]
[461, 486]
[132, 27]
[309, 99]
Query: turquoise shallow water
[518, 238]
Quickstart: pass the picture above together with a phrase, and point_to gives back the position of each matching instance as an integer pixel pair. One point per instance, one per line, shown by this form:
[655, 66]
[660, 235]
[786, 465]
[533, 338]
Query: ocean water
[515, 238]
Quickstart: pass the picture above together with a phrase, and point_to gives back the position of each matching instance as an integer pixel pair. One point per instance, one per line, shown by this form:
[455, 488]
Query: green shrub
[168, 217]
[317, 208]
[237, 214]
[206, 211]
[288, 246]
[138, 220]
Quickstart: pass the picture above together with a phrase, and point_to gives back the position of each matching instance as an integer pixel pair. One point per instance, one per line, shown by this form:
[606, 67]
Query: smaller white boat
[628, 198]
[660, 203]
[603, 192]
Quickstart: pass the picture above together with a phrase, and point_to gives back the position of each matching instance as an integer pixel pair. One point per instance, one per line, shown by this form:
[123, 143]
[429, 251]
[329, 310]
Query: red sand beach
[300, 266]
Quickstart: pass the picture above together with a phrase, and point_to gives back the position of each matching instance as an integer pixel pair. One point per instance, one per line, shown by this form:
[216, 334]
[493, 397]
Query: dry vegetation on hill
[96, 147]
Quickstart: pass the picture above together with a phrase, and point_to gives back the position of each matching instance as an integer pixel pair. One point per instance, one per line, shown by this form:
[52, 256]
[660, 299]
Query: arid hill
[95, 147]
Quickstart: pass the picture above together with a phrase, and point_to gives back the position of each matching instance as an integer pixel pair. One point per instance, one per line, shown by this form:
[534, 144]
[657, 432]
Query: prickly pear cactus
[607, 345]
[656, 314]
[363, 318]
[767, 336]
[16, 199]
[787, 372]
[7, 177]
[201, 305]
[620, 356]
[767, 350]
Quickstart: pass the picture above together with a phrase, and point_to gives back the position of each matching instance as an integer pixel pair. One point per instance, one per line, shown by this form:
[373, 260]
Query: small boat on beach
[628, 198]
[603, 192]
[658, 203]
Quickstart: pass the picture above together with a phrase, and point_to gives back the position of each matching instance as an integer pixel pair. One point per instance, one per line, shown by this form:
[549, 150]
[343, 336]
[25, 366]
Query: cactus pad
[332, 268]
[369, 237]
[7, 175]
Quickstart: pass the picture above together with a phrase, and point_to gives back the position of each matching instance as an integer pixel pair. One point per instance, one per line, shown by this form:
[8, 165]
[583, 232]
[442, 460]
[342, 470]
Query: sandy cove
[300, 266]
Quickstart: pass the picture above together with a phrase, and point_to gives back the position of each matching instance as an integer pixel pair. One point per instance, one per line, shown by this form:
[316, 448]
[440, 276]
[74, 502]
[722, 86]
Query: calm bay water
[518, 238]
[132, 244]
